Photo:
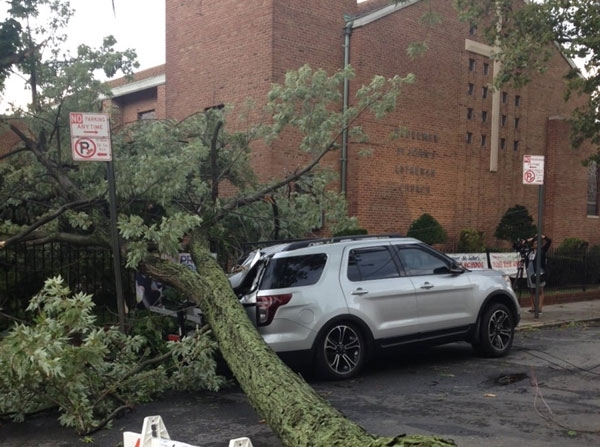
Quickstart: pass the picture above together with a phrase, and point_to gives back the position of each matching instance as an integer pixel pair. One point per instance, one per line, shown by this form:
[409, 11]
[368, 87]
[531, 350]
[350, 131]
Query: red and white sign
[470, 260]
[507, 262]
[90, 136]
[533, 169]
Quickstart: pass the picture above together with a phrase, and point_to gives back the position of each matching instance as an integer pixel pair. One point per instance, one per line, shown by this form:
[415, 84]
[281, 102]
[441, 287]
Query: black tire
[496, 331]
[340, 351]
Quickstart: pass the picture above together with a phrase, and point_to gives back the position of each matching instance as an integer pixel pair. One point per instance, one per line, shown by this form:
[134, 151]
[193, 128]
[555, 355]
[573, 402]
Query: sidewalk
[563, 313]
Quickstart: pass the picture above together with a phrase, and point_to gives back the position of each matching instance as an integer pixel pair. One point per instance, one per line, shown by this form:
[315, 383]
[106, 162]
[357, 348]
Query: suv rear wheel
[340, 351]
[497, 331]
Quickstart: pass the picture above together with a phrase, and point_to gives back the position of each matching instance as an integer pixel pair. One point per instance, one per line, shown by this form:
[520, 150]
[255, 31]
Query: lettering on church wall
[414, 152]
[419, 171]
[402, 132]
[411, 188]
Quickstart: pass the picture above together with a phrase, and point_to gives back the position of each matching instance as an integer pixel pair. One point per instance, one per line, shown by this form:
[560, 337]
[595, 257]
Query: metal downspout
[344, 157]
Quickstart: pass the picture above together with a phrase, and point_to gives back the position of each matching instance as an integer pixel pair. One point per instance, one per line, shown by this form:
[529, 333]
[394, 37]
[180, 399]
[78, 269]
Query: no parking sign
[533, 169]
[90, 136]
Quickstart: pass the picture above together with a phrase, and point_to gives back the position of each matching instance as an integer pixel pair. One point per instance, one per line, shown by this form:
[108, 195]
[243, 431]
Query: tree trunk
[295, 412]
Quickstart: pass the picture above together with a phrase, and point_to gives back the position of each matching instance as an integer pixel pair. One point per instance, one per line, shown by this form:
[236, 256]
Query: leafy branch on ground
[92, 374]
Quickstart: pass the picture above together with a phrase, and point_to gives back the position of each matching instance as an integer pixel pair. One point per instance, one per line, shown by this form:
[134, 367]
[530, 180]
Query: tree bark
[295, 412]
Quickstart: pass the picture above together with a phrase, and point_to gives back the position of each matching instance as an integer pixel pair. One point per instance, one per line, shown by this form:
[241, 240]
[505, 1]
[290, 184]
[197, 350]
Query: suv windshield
[293, 271]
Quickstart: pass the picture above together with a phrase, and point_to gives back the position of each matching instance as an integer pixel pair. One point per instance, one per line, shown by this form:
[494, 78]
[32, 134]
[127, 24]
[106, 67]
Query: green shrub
[471, 241]
[516, 223]
[572, 245]
[428, 230]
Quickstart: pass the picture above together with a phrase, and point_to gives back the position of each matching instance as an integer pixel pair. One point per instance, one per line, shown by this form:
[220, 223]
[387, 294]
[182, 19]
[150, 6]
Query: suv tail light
[267, 305]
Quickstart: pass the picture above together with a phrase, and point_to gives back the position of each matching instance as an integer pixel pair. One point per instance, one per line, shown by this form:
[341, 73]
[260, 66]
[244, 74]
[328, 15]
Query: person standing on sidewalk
[531, 263]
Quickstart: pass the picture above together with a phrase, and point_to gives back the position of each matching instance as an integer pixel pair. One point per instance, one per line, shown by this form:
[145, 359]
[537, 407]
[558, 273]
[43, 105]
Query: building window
[469, 113]
[517, 120]
[517, 101]
[503, 120]
[592, 190]
[515, 145]
[486, 68]
[484, 92]
[469, 137]
[483, 140]
[484, 116]
[146, 115]
[470, 89]
[504, 97]
[471, 64]
[502, 143]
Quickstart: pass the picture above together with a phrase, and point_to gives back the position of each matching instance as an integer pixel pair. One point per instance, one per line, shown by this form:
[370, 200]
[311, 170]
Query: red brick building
[459, 146]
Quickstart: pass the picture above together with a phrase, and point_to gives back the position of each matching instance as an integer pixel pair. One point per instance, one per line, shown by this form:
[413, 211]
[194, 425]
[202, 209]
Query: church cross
[487, 51]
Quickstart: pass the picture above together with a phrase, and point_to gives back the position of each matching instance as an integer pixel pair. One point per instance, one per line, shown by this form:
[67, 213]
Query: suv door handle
[359, 292]
[427, 285]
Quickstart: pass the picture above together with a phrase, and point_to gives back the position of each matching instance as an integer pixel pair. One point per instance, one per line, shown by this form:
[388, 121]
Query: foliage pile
[91, 373]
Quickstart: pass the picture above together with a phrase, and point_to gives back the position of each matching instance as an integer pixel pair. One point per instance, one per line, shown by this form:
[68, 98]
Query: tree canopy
[527, 33]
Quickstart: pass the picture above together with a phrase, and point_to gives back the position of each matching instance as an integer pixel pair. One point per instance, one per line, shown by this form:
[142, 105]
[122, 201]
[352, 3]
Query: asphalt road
[545, 393]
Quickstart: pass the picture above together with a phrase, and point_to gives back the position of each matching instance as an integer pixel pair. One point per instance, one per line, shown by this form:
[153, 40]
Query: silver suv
[338, 301]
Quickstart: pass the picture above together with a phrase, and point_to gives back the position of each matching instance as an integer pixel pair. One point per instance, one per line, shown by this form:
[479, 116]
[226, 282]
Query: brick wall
[431, 168]
[126, 109]
[221, 52]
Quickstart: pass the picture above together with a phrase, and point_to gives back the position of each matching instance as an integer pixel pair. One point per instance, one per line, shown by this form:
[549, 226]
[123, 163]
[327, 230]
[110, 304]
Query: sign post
[90, 141]
[533, 174]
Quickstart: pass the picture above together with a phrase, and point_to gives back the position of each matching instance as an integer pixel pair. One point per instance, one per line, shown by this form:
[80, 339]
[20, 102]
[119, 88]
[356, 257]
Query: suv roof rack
[294, 245]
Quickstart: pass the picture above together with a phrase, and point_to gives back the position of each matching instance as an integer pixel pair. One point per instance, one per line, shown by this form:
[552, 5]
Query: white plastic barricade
[155, 434]
[240, 442]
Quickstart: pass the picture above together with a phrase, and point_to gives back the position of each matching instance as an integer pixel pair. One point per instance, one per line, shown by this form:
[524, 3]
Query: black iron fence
[568, 269]
[578, 269]
[24, 268]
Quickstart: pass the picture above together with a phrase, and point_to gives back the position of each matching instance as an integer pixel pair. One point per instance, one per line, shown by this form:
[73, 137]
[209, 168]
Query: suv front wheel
[497, 331]
[340, 351]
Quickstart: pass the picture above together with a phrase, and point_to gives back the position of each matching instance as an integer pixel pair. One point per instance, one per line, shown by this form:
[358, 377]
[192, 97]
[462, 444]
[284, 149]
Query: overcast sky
[136, 24]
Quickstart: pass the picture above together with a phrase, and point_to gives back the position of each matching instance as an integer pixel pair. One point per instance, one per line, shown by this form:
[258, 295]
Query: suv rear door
[376, 291]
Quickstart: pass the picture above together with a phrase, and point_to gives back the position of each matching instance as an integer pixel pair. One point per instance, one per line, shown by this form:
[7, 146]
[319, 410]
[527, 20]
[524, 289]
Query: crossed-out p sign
[533, 169]
[90, 136]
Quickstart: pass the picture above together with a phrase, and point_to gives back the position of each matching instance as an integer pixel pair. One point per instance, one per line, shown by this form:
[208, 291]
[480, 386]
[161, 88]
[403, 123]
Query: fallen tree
[291, 407]
[171, 172]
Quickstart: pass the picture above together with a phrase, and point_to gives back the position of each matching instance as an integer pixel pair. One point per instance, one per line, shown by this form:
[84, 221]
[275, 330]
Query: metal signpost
[90, 141]
[533, 174]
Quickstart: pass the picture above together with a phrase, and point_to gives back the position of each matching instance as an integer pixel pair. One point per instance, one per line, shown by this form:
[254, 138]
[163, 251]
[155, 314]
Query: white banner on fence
[470, 260]
[507, 262]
